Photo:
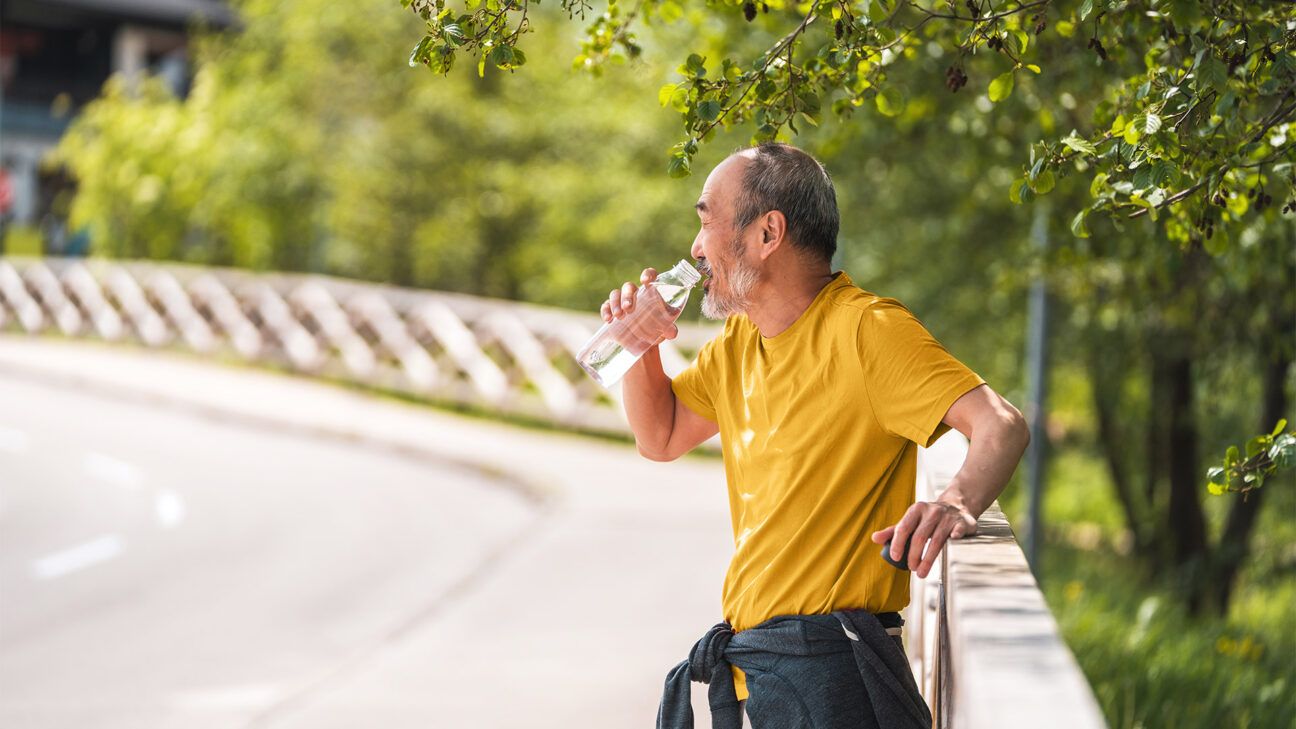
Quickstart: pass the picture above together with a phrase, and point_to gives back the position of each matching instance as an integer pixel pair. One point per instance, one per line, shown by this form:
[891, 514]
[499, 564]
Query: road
[190, 545]
[163, 569]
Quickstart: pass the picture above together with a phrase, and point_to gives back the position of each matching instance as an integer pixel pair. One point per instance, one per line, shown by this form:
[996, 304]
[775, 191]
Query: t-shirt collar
[839, 280]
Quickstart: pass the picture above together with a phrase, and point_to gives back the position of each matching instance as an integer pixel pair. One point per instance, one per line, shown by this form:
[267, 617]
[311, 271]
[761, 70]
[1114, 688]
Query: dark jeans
[804, 692]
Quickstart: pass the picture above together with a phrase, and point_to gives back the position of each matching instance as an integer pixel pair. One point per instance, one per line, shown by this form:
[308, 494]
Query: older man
[821, 392]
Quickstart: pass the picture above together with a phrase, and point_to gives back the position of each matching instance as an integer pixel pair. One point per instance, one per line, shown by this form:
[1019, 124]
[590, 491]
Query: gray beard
[740, 282]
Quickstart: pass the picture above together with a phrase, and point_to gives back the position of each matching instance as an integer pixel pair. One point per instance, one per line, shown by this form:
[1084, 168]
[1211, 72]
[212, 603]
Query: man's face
[719, 248]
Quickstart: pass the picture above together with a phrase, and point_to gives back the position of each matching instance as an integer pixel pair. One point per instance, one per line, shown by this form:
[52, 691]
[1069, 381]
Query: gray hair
[783, 178]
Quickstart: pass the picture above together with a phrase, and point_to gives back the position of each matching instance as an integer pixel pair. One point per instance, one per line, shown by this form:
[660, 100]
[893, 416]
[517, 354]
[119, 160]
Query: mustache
[704, 268]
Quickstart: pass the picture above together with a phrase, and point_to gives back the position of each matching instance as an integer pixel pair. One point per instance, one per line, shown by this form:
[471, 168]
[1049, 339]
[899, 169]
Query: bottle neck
[680, 276]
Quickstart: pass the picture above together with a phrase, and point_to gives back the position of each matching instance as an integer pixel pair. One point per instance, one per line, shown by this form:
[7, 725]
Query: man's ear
[773, 233]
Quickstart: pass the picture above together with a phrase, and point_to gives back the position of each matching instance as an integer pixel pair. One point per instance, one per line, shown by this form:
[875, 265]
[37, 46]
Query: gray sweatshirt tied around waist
[896, 701]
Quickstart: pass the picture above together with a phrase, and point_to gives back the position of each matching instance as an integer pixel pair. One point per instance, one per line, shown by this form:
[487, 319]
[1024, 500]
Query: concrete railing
[503, 356]
[983, 645]
[982, 642]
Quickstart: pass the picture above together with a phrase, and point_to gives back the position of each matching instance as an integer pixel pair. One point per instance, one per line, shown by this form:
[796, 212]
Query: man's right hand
[646, 332]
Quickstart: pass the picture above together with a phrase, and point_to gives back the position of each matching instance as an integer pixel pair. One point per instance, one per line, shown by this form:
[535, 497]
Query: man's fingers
[880, 536]
[672, 332]
[628, 296]
[614, 303]
[934, 548]
[648, 276]
[605, 311]
[903, 529]
[920, 536]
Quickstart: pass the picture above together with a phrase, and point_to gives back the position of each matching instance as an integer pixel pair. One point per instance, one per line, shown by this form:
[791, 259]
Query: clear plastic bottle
[618, 344]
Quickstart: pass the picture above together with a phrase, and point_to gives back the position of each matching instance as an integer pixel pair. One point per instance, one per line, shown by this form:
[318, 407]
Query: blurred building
[54, 58]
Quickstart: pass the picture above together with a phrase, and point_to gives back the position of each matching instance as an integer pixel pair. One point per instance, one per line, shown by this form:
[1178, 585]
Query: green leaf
[1216, 475]
[709, 110]
[1080, 144]
[877, 11]
[665, 94]
[1023, 40]
[420, 51]
[1215, 489]
[1256, 444]
[1001, 88]
[1078, 227]
[1014, 190]
[453, 34]
[1143, 177]
[890, 102]
[1151, 123]
[1065, 28]
[1099, 182]
[501, 57]
[679, 99]
[1020, 191]
[1212, 73]
[1086, 8]
[695, 66]
[1043, 183]
[1231, 455]
[1283, 452]
[1282, 423]
[1132, 134]
[679, 166]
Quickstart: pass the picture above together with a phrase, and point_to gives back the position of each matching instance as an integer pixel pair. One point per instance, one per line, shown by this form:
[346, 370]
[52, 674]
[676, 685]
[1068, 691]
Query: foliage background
[308, 144]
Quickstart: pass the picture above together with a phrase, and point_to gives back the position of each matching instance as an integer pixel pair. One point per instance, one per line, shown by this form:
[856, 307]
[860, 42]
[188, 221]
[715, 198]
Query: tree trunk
[1106, 399]
[1157, 458]
[1186, 524]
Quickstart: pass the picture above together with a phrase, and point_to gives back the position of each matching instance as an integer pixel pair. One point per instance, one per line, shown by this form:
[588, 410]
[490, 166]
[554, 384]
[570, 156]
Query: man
[821, 393]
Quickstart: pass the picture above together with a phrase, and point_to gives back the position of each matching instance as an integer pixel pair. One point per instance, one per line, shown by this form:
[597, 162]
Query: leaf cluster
[1266, 455]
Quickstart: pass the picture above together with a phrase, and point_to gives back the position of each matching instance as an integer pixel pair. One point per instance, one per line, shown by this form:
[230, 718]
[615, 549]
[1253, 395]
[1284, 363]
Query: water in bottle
[615, 347]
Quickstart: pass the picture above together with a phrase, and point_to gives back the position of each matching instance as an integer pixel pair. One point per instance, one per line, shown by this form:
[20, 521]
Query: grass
[1152, 665]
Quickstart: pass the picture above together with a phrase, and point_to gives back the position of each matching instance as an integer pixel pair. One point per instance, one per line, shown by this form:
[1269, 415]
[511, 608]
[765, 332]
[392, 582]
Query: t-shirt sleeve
[697, 385]
[912, 380]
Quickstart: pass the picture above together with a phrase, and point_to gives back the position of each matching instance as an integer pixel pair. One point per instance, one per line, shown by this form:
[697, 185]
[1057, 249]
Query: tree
[307, 144]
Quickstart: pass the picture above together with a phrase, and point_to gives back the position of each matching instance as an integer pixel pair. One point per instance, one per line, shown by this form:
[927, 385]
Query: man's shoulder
[852, 300]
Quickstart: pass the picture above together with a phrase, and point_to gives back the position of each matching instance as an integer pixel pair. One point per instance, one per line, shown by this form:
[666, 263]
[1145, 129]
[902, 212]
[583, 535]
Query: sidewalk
[576, 628]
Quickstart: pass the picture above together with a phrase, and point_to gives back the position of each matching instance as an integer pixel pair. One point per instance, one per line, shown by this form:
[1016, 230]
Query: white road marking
[81, 556]
[112, 470]
[169, 507]
[245, 697]
[13, 440]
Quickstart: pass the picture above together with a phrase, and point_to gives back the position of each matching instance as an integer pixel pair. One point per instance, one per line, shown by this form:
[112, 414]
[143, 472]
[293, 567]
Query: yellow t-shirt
[820, 427]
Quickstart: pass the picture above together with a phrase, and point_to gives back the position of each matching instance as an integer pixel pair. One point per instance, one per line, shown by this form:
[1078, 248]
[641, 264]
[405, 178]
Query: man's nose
[696, 250]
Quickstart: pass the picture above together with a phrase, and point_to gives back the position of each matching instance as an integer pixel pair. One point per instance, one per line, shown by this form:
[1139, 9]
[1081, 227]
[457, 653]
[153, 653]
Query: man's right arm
[664, 427]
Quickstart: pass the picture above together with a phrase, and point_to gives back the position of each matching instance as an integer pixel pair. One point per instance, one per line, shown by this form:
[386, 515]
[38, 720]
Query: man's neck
[780, 301]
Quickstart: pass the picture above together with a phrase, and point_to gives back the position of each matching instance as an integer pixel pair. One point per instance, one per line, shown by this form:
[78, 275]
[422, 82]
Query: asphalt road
[160, 568]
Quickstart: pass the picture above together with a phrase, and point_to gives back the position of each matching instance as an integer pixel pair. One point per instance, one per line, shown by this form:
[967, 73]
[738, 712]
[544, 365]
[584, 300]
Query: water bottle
[618, 344]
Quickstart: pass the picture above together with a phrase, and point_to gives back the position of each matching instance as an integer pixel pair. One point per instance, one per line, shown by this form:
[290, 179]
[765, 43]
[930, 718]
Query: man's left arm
[997, 436]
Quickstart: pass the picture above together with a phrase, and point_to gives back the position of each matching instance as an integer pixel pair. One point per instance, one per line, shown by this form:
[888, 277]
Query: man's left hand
[937, 521]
